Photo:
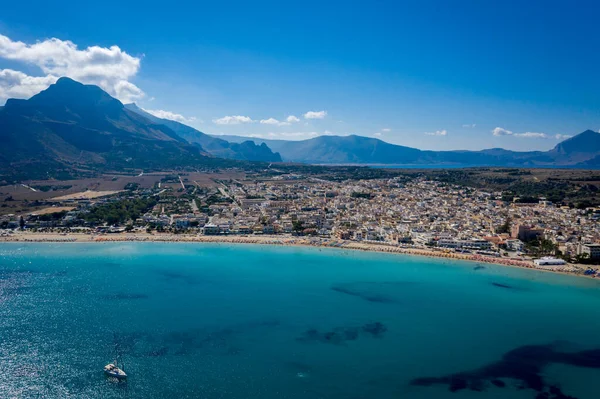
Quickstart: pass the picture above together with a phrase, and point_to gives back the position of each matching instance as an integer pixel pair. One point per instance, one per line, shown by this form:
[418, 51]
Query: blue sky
[427, 74]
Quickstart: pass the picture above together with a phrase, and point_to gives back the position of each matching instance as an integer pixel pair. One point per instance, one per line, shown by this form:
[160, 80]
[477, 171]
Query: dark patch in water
[174, 276]
[524, 364]
[376, 329]
[378, 292]
[500, 285]
[366, 297]
[341, 335]
[506, 286]
[479, 267]
[499, 383]
[222, 341]
[119, 296]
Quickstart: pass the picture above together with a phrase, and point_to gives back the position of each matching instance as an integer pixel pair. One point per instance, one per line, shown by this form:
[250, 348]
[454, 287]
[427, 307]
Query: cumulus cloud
[562, 136]
[386, 130]
[273, 121]
[469, 125]
[159, 113]
[315, 115]
[378, 134]
[108, 67]
[437, 133]
[15, 84]
[233, 120]
[292, 119]
[499, 131]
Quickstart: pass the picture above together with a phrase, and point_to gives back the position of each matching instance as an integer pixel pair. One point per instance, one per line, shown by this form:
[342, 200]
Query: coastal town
[393, 215]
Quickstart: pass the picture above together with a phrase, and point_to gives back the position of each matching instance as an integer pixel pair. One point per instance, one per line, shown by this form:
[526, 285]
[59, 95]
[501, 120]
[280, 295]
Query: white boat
[112, 370]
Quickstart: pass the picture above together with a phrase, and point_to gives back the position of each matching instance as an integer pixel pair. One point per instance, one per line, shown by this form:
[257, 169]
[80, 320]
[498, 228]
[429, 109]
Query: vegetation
[505, 227]
[120, 211]
[46, 188]
[541, 247]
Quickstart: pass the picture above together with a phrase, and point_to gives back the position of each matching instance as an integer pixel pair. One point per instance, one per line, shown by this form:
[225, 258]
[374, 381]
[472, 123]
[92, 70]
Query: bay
[250, 321]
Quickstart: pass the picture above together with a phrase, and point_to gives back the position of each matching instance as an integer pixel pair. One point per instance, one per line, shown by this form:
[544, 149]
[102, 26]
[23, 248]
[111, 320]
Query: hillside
[71, 128]
[246, 150]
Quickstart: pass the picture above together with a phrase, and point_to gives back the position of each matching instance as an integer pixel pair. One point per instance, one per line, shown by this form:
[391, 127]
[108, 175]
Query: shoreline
[569, 269]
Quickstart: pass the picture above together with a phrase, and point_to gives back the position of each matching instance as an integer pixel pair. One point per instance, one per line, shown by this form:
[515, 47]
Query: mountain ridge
[353, 149]
[71, 126]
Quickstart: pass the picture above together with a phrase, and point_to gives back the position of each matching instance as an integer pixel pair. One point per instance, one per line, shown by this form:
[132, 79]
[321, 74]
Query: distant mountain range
[582, 150]
[71, 129]
[245, 150]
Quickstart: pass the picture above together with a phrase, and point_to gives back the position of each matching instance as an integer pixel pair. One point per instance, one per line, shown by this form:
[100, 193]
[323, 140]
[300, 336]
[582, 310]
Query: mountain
[579, 151]
[338, 149]
[578, 148]
[74, 127]
[246, 150]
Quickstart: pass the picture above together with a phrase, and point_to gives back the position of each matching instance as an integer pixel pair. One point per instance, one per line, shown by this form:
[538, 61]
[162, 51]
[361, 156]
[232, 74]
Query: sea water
[248, 321]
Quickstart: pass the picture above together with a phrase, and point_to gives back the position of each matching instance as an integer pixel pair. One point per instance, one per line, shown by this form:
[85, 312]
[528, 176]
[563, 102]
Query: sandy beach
[286, 240]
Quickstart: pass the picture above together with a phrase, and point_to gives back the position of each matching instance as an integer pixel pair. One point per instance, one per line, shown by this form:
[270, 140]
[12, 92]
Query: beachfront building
[592, 251]
[210, 229]
[515, 245]
[549, 261]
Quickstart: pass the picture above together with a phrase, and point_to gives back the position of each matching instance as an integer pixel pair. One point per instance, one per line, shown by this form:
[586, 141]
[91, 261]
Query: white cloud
[531, 135]
[377, 134]
[233, 120]
[159, 113]
[469, 125]
[108, 67]
[292, 119]
[562, 136]
[437, 133]
[315, 115]
[499, 131]
[273, 121]
[15, 84]
[386, 130]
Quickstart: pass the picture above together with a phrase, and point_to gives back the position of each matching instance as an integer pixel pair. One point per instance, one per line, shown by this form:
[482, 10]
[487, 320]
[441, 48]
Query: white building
[549, 261]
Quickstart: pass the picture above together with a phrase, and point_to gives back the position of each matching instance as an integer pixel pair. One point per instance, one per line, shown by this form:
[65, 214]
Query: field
[32, 196]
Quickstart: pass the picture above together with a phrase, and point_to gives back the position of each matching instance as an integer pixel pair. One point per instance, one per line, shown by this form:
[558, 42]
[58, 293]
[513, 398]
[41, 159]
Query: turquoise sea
[241, 321]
